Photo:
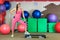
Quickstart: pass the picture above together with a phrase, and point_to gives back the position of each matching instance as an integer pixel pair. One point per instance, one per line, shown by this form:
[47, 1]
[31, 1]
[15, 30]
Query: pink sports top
[18, 14]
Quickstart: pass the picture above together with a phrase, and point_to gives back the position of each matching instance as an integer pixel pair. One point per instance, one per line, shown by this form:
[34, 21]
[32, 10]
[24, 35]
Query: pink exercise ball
[2, 1]
[5, 29]
[21, 28]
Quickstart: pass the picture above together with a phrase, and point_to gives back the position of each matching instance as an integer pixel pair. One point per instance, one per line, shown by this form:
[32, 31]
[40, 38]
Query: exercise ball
[3, 13]
[2, 8]
[1, 1]
[52, 18]
[36, 14]
[7, 5]
[57, 27]
[2, 19]
[26, 14]
[5, 29]
[21, 28]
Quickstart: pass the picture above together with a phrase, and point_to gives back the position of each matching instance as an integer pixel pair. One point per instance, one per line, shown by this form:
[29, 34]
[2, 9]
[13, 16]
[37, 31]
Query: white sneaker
[12, 35]
[27, 33]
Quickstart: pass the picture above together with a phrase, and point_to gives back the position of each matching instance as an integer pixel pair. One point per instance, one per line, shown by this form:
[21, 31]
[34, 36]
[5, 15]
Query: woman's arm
[23, 15]
[13, 10]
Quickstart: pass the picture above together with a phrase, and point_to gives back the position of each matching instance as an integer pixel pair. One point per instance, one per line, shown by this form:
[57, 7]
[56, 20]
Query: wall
[29, 6]
[32, 0]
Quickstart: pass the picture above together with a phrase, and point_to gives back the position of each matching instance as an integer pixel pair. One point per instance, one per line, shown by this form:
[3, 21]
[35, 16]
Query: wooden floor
[20, 36]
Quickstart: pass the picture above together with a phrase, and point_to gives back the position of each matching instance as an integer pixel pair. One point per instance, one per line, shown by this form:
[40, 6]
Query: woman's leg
[22, 22]
[13, 25]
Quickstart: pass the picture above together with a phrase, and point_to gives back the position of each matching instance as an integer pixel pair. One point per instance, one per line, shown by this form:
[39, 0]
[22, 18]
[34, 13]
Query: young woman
[17, 17]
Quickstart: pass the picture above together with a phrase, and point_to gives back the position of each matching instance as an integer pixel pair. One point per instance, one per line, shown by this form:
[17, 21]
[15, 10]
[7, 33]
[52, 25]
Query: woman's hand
[12, 10]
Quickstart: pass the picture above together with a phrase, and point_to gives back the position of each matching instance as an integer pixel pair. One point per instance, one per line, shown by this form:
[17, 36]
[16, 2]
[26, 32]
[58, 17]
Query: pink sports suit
[17, 19]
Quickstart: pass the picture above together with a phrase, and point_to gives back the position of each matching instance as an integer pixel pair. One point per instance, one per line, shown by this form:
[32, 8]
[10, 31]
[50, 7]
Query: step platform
[35, 35]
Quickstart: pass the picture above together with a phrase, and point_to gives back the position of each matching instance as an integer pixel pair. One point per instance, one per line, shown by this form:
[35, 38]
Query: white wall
[29, 6]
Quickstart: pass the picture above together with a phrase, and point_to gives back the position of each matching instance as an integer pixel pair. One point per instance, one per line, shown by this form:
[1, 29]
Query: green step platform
[42, 25]
[51, 27]
[32, 25]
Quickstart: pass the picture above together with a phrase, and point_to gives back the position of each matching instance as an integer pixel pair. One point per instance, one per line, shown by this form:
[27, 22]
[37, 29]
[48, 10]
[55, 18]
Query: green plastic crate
[32, 25]
[42, 25]
[51, 27]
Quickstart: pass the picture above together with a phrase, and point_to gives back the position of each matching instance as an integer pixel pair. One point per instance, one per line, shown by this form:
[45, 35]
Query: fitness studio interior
[29, 19]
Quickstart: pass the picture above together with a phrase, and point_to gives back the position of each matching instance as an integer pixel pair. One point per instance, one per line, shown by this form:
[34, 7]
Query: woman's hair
[17, 6]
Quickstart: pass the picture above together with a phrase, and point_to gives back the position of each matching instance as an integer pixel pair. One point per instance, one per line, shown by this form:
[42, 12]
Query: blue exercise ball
[52, 18]
[7, 5]
[26, 14]
[36, 14]
[2, 8]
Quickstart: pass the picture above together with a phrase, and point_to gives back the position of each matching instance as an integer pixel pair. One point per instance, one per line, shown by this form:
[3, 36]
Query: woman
[17, 17]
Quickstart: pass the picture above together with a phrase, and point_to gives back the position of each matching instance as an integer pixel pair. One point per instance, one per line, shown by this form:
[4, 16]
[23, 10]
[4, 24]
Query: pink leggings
[14, 21]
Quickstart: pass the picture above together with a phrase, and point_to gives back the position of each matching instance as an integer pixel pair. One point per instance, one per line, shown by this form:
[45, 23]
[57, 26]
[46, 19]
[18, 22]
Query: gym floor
[20, 36]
